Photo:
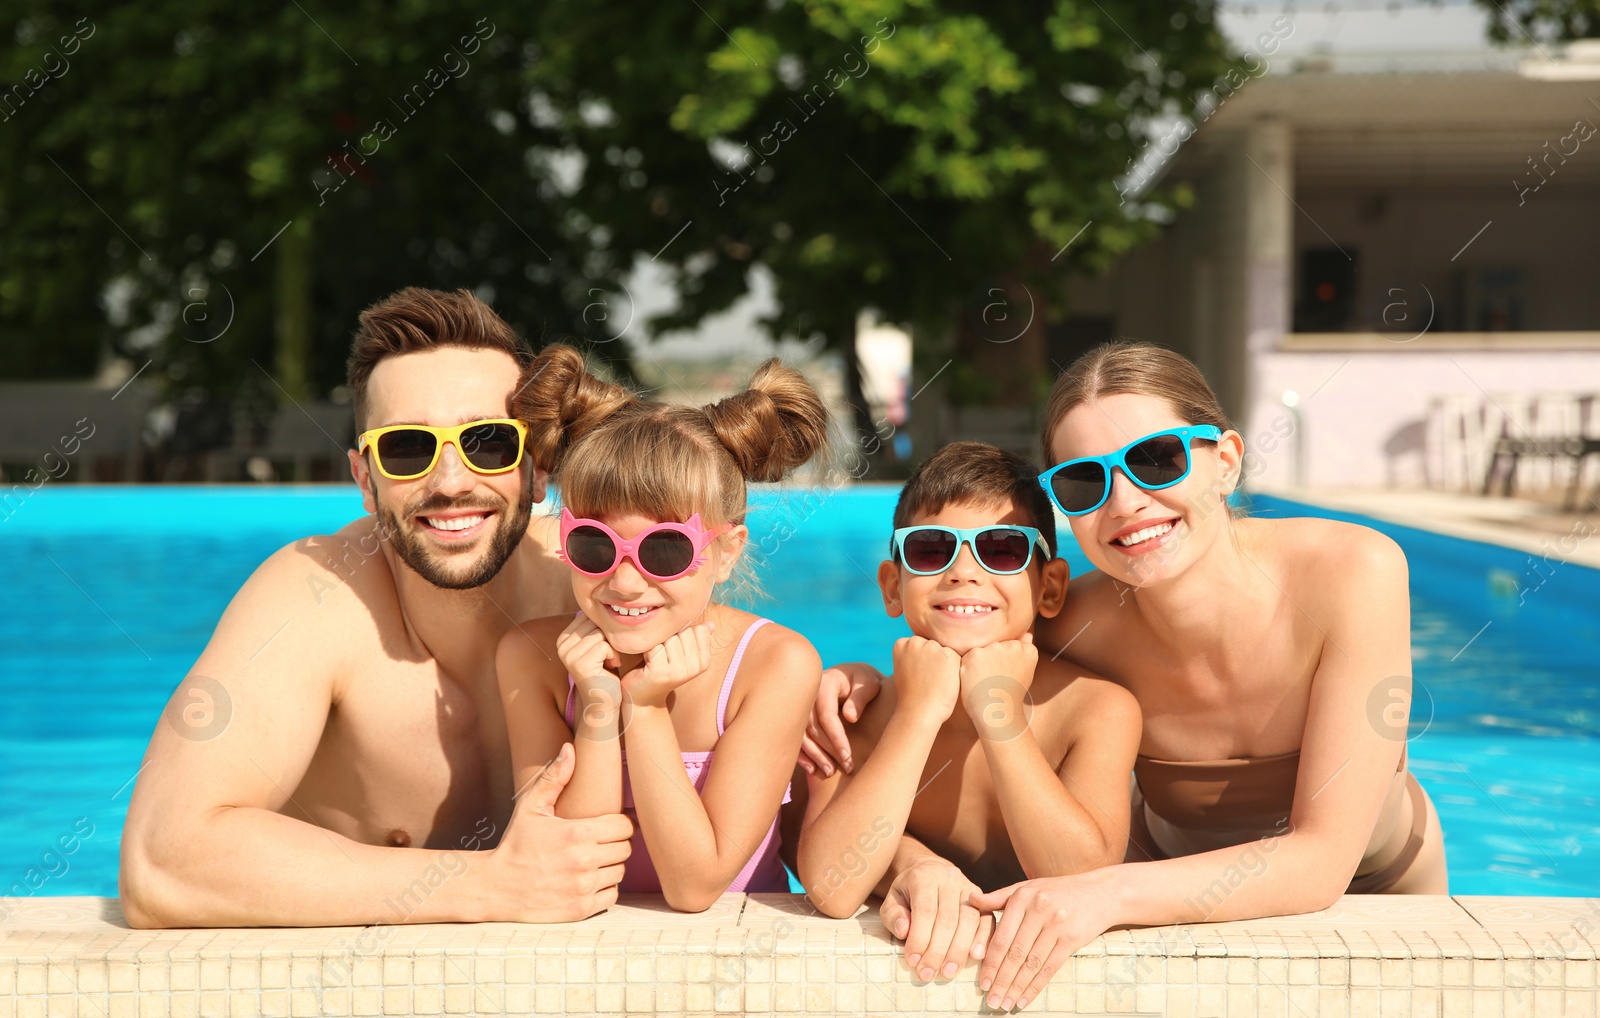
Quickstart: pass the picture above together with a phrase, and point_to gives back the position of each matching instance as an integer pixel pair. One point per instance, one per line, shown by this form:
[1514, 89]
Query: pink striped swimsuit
[763, 871]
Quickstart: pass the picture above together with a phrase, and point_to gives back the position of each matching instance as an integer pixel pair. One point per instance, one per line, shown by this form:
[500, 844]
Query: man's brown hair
[976, 473]
[419, 319]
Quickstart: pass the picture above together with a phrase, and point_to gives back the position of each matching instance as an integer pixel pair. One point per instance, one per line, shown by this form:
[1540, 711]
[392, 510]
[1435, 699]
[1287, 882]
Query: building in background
[1388, 265]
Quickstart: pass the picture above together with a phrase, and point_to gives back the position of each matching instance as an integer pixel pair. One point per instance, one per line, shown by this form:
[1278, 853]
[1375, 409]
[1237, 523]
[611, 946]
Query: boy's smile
[966, 606]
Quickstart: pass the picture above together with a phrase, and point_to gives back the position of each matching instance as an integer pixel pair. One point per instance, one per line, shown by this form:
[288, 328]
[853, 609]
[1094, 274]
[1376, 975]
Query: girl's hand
[667, 666]
[927, 907]
[995, 680]
[585, 653]
[844, 694]
[1045, 921]
[593, 664]
[928, 675]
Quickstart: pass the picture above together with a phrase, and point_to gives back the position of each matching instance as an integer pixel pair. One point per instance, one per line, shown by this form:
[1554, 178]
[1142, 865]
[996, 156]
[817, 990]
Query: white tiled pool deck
[771, 954]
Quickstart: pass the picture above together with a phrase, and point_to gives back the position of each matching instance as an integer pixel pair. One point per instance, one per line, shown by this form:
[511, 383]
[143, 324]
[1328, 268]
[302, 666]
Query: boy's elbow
[834, 906]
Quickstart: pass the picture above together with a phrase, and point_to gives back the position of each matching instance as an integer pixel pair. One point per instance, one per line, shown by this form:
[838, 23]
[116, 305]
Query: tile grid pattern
[771, 954]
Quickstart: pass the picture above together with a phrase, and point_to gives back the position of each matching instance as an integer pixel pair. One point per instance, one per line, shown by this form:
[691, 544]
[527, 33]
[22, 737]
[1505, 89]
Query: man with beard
[339, 749]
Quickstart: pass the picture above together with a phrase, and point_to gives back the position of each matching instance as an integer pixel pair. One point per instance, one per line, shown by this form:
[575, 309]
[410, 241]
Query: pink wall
[1354, 403]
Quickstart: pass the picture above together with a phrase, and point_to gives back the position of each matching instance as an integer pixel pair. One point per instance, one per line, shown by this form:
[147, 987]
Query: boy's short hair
[976, 473]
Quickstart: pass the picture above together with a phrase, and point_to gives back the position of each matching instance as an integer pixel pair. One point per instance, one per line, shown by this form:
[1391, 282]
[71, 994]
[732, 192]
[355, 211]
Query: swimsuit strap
[733, 667]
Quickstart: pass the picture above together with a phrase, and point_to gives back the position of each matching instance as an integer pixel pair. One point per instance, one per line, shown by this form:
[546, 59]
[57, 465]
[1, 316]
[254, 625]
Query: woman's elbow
[145, 894]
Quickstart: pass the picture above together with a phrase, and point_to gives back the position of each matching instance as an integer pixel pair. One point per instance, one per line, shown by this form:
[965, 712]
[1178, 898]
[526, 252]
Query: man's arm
[204, 843]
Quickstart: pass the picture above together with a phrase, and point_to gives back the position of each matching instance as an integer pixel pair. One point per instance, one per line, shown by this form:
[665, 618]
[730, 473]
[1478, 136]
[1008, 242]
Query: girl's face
[635, 610]
[1138, 536]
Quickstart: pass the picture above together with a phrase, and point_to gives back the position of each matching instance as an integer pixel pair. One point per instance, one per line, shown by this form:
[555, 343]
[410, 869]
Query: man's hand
[995, 680]
[549, 870]
[927, 675]
[1045, 921]
[667, 666]
[845, 692]
[927, 906]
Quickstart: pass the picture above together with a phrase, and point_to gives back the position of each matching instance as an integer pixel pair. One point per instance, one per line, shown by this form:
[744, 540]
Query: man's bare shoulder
[331, 595]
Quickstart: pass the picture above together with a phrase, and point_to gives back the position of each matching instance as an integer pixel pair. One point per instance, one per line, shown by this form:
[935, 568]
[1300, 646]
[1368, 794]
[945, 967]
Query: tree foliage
[1523, 21]
[293, 165]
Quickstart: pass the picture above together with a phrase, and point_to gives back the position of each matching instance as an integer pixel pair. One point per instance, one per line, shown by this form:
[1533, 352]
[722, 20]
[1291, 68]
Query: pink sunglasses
[664, 551]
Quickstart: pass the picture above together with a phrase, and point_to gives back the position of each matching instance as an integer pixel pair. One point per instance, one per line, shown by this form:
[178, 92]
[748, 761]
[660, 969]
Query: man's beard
[414, 551]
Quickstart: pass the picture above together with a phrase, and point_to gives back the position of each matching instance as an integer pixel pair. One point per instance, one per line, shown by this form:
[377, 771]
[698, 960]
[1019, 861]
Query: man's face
[455, 527]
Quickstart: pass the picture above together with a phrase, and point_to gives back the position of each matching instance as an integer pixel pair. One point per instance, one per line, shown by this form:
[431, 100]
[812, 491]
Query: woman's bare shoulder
[1333, 558]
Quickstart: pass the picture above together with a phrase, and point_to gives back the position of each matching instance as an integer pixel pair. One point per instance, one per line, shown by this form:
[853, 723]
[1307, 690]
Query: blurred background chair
[73, 431]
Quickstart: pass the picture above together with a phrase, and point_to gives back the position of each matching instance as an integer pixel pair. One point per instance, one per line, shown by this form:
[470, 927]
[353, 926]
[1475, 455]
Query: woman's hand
[926, 906]
[845, 692]
[667, 666]
[1045, 921]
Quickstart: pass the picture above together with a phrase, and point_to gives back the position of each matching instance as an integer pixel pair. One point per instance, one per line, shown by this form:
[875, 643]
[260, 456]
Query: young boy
[1008, 766]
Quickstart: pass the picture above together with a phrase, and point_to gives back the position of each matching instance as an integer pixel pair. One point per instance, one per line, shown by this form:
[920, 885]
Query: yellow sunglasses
[405, 452]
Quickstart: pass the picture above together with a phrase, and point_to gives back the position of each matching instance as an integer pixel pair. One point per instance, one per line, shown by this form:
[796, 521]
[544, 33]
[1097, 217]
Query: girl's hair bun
[562, 402]
[775, 425]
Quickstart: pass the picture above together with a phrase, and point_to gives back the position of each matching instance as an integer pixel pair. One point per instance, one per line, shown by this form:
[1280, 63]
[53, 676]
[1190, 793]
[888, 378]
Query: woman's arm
[699, 841]
[1347, 759]
[532, 681]
[854, 822]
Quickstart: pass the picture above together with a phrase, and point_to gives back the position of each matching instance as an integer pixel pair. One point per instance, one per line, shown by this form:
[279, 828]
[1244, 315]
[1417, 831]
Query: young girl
[685, 714]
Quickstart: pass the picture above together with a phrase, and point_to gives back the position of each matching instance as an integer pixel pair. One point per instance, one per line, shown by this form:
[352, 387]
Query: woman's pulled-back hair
[614, 453]
[1144, 369]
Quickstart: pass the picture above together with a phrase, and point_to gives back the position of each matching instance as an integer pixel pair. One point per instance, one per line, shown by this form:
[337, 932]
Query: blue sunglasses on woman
[1153, 462]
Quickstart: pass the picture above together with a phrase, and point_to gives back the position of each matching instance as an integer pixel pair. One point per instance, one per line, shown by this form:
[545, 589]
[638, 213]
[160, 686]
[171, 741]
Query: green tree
[932, 159]
[1521, 21]
[927, 158]
[206, 165]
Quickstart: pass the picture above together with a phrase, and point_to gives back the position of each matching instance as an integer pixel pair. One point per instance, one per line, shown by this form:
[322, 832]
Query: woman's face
[635, 610]
[1137, 536]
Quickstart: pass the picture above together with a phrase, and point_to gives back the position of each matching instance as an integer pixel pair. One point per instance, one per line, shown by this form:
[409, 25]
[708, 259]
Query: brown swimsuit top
[1203, 804]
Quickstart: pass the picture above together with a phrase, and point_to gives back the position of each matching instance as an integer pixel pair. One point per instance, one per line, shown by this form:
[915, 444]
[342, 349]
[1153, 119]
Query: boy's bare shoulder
[1081, 699]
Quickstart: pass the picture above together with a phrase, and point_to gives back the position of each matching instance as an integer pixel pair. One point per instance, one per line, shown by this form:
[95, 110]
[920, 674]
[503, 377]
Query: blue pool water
[108, 595]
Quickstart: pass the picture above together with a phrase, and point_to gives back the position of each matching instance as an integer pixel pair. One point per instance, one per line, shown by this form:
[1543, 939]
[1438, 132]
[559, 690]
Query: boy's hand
[667, 666]
[928, 907]
[995, 680]
[928, 675]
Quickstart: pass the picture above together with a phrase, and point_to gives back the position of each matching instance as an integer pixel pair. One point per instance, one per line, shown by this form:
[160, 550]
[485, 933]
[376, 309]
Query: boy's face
[967, 606]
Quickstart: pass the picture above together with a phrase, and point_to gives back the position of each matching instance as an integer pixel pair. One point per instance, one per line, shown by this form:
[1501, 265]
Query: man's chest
[412, 757]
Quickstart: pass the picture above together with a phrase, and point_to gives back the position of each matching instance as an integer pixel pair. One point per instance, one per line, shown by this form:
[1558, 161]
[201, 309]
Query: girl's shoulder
[776, 660]
[764, 639]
